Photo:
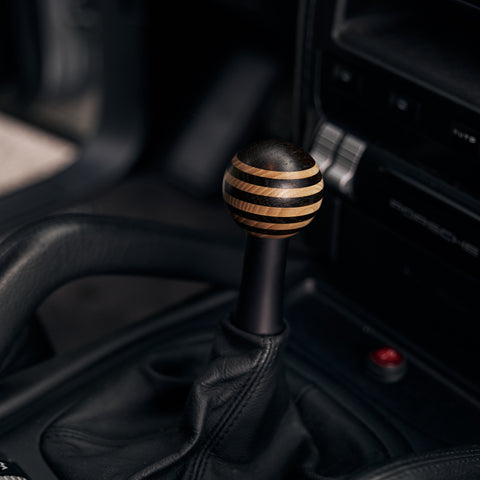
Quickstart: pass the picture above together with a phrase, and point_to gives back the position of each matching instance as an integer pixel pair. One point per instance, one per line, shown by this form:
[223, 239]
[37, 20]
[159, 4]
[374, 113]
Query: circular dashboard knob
[273, 189]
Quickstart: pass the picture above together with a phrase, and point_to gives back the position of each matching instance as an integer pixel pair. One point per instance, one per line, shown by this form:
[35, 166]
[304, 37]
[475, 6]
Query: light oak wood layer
[260, 172]
[273, 192]
[271, 226]
[271, 211]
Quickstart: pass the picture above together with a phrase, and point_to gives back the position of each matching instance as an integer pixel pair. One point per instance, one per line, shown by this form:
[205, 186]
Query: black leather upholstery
[461, 463]
[43, 256]
[173, 417]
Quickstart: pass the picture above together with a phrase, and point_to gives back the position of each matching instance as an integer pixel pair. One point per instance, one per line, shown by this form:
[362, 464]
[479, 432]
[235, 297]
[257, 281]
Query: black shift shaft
[260, 301]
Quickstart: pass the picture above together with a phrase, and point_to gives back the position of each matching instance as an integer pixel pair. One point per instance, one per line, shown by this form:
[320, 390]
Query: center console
[388, 101]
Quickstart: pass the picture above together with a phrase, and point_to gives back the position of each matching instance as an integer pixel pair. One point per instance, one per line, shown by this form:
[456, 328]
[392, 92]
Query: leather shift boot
[187, 413]
[235, 421]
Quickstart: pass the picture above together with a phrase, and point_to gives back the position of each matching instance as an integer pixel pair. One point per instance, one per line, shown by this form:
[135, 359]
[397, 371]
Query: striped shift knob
[273, 189]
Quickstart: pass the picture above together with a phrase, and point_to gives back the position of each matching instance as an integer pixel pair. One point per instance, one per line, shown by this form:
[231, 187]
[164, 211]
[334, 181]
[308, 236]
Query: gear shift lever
[236, 420]
[273, 190]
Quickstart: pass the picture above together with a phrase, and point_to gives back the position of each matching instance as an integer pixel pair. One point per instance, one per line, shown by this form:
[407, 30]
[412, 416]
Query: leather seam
[431, 467]
[226, 422]
[239, 404]
[68, 433]
[265, 364]
[420, 466]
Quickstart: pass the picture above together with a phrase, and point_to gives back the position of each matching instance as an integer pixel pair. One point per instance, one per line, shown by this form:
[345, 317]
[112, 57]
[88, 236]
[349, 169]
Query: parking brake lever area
[273, 190]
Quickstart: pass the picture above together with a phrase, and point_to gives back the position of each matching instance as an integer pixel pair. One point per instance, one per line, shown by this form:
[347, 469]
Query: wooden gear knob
[273, 189]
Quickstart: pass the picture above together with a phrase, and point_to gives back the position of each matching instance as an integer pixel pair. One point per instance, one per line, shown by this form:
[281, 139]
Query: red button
[387, 357]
